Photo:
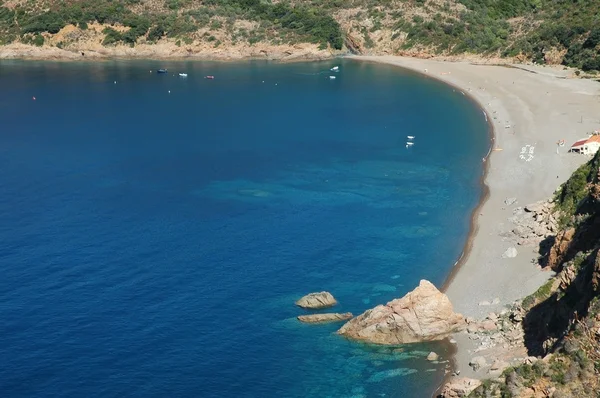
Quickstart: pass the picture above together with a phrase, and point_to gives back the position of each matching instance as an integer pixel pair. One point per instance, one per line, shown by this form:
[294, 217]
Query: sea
[156, 230]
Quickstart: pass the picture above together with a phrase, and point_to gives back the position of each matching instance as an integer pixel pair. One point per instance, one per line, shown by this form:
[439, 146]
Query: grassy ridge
[546, 31]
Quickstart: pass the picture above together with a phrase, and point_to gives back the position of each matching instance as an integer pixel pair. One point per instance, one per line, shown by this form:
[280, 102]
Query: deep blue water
[153, 243]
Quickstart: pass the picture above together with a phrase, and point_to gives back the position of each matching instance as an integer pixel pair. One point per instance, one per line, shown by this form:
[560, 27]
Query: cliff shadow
[547, 322]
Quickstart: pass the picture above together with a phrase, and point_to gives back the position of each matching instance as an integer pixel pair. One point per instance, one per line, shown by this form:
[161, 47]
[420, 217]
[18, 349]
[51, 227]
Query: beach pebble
[432, 356]
[511, 252]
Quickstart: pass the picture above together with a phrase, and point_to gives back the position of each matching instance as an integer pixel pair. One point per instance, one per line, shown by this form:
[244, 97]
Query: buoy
[115, 82]
[34, 98]
[169, 91]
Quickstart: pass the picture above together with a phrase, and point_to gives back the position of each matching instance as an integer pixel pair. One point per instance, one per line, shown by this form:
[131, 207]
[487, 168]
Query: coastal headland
[530, 110]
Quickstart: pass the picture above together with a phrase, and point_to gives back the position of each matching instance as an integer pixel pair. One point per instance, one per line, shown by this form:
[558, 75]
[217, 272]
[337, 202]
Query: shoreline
[528, 109]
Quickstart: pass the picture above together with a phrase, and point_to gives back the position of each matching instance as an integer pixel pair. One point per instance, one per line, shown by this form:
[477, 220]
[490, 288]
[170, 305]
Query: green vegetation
[555, 31]
[543, 293]
[572, 193]
[294, 23]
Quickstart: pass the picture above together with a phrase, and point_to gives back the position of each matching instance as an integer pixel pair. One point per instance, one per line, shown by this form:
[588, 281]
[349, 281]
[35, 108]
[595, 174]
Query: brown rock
[425, 314]
[488, 325]
[322, 318]
[462, 387]
[317, 300]
[596, 273]
[560, 247]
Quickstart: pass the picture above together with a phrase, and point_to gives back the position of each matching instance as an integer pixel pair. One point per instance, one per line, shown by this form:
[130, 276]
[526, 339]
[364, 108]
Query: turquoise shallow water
[156, 231]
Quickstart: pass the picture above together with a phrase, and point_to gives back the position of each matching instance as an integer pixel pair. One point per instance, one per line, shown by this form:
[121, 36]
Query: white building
[587, 146]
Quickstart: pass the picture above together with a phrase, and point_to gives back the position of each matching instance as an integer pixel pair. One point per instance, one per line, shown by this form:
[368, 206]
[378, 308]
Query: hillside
[545, 31]
[562, 319]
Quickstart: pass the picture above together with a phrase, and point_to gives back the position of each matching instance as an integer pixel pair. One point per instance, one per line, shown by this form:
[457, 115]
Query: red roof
[594, 138]
[579, 143]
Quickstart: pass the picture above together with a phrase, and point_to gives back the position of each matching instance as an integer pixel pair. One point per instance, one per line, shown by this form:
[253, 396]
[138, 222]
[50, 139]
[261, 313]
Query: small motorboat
[410, 143]
[410, 137]
[162, 70]
[331, 77]
[183, 75]
[335, 69]
[209, 77]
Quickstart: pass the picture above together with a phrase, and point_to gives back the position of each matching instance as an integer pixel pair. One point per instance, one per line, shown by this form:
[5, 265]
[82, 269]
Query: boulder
[425, 314]
[488, 325]
[537, 207]
[322, 318]
[461, 387]
[477, 363]
[432, 356]
[317, 300]
[511, 252]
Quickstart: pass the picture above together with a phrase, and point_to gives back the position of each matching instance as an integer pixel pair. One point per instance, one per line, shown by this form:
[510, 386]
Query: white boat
[183, 74]
[335, 69]
[332, 77]
[410, 137]
[410, 143]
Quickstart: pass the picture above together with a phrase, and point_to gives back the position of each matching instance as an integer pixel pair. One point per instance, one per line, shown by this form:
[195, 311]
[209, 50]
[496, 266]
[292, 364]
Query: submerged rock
[322, 318]
[425, 314]
[317, 300]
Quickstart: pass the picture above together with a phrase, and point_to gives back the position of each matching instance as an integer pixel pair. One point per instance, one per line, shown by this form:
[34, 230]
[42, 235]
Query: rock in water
[322, 318]
[459, 387]
[432, 356]
[511, 252]
[425, 314]
[317, 300]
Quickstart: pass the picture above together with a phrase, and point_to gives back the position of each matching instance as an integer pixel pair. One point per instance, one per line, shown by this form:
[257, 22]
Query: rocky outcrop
[533, 223]
[425, 314]
[560, 248]
[461, 387]
[317, 300]
[323, 318]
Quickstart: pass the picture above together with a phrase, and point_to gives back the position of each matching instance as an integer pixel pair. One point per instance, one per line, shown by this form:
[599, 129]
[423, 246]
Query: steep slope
[562, 323]
[546, 31]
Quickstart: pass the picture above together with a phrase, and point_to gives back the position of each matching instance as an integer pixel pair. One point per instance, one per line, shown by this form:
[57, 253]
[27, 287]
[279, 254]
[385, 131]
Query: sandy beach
[530, 108]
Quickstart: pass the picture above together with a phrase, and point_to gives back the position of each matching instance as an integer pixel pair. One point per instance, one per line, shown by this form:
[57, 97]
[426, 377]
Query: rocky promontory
[425, 314]
[315, 301]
